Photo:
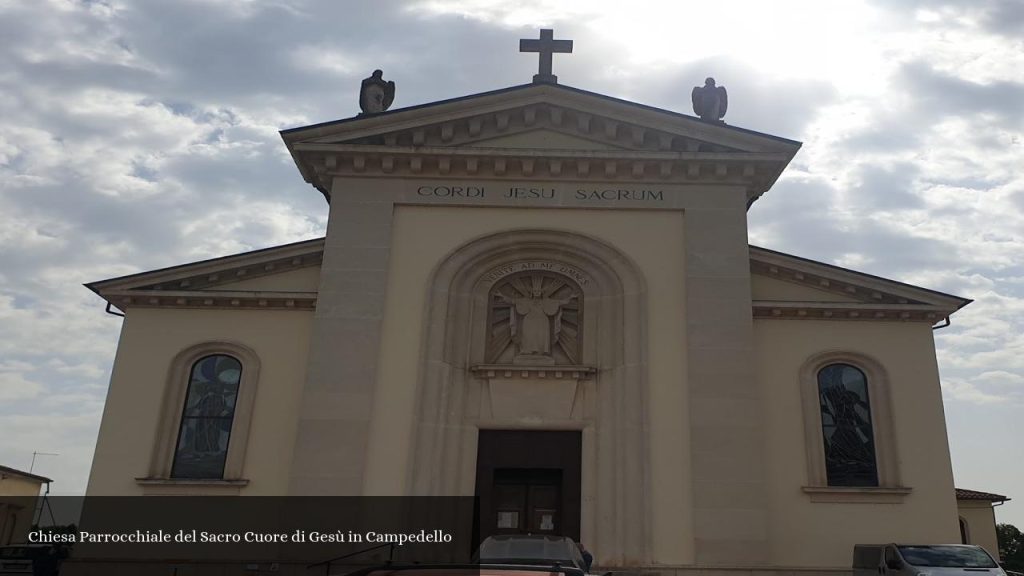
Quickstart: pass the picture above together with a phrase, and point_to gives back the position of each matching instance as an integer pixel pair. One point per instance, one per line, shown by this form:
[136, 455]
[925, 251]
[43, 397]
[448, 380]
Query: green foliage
[1011, 547]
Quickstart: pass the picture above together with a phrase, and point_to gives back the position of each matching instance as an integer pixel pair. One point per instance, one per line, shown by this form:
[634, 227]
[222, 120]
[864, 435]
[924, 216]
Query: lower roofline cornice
[754, 170]
[767, 309]
[230, 300]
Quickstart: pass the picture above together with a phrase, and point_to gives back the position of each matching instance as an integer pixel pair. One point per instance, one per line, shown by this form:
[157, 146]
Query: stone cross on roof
[546, 45]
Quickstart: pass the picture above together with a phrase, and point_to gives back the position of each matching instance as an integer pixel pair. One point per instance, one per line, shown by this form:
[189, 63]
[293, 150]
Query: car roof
[551, 537]
[486, 570]
[470, 569]
[541, 548]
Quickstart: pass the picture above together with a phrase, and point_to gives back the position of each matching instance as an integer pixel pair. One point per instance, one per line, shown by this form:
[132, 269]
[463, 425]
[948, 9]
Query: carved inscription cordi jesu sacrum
[534, 318]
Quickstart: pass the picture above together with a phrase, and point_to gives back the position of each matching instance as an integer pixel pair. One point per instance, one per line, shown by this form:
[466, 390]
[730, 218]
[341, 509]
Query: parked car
[532, 550]
[918, 560]
[466, 570]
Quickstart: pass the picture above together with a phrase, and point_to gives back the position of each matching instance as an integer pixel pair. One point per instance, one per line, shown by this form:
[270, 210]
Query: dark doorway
[529, 482]
[527, 500]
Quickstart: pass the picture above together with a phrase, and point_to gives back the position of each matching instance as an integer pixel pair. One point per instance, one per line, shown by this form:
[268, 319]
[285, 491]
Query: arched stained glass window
[846, 426]
[206, 419]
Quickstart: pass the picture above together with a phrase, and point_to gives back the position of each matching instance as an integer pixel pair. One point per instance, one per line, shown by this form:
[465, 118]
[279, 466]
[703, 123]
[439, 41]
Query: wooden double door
[528, 482]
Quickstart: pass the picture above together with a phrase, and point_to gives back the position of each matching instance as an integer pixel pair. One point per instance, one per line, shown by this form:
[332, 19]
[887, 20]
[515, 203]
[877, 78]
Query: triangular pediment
[294, 279]
[539, 130]
[594, 117]
[787, 286]
[280, 277]
[766, 287]
[546, 139]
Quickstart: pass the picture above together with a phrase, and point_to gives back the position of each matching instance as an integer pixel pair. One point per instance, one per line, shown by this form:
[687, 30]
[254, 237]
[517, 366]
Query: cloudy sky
[141, 134]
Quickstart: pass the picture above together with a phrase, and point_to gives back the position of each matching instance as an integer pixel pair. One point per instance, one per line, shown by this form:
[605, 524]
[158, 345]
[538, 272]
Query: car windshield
[520, 550]
[947, 556]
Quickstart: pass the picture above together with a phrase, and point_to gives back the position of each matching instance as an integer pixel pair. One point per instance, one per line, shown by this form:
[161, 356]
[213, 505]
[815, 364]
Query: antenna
[44, 503]
[34, 454]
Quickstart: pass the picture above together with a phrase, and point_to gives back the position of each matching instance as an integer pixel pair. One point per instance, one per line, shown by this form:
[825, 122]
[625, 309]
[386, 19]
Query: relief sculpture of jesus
[536, 320]
[540, 322]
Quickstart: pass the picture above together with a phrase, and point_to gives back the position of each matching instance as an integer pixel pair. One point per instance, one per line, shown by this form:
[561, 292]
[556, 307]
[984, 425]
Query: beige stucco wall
[150, 339]
[823, 534]
[981, 524]
[654, 240]
[16, 512]
[16, 516]
[14, 485]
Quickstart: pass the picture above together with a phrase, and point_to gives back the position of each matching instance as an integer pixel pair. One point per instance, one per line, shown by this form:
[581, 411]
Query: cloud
[882, 187]
[936, 93]
[15, 387]
[1004, 17]
[962, 390]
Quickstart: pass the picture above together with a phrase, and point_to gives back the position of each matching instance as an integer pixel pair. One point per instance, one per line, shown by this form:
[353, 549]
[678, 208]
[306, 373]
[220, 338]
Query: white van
[923, 560]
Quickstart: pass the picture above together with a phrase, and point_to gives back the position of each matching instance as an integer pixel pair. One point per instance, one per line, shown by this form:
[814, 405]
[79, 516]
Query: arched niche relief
[542, 330]
[534, 318]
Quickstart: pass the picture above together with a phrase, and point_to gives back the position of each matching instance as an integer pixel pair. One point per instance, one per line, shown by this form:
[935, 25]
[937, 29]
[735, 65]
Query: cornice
[195, 286]
[326, 161]
[212, 299]
[261, 300]
[779, 310]
[524, 371]
[479, 151]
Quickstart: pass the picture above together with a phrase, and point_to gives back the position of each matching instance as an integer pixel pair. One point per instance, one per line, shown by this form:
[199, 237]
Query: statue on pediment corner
[709, 101]
[376, 94]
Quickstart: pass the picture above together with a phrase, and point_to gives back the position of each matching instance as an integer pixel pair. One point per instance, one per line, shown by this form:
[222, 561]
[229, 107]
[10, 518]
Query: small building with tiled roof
[963, 494]
[18, 493]
[14, 482]
[978, 518]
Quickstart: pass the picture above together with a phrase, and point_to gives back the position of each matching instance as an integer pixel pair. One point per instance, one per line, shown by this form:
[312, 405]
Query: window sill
[857, 494]
[190, 482]
[190, 486]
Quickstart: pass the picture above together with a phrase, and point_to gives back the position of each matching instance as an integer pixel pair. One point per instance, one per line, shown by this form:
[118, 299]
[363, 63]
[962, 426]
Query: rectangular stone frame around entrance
[536, 454]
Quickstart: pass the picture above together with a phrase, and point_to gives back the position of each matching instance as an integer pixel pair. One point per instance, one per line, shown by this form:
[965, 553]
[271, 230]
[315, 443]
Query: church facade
[545, 297]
